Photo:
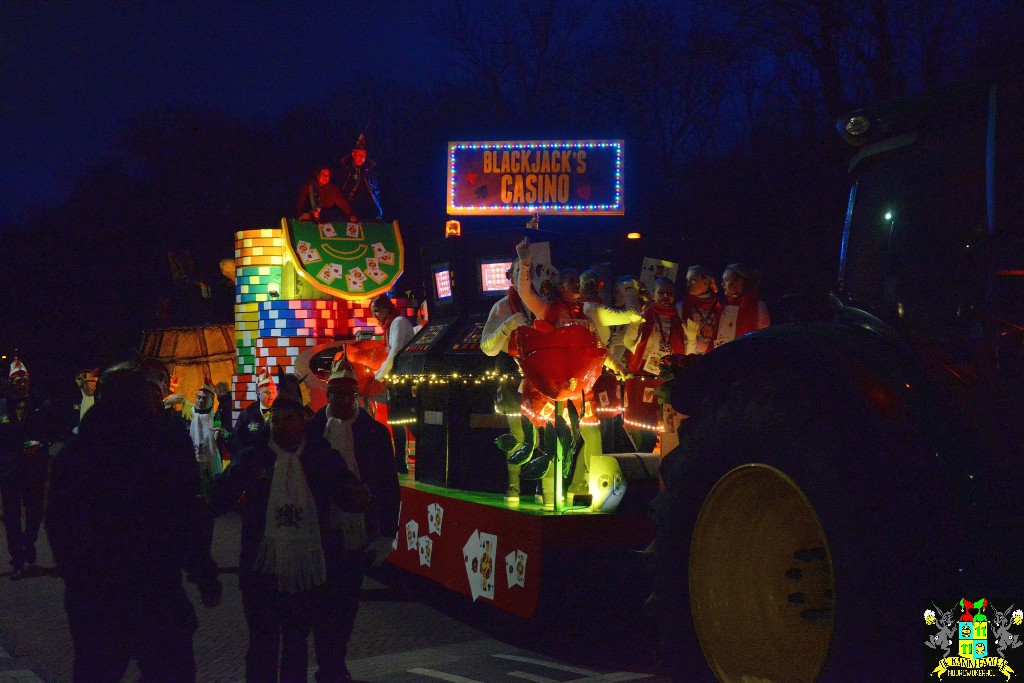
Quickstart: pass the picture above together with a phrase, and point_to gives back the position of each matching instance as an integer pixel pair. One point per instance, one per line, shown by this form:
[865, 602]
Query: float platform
[517, 557]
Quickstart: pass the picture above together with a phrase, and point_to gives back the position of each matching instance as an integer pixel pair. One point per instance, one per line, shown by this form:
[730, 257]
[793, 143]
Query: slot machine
[456, 421]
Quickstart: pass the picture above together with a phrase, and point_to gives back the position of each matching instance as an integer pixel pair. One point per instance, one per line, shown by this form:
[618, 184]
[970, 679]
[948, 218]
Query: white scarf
[204, 439]
[83, 407]
[291, 548]
[352, 525]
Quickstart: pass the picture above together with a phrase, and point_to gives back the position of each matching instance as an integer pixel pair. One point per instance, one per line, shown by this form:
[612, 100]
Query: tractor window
[918, 234]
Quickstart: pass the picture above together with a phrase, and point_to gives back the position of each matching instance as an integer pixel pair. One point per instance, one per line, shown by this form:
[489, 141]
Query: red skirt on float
[642, 409]
[607, 395]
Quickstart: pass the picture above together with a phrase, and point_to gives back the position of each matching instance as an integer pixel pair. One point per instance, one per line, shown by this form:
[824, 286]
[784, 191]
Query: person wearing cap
[353, 541]
[320, 200]
[253, 417]
[359, 183]
[287, 481]
[26, 433]
[743, 311]
[123, 525]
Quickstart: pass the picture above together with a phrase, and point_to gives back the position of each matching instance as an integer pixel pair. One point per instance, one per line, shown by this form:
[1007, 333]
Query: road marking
[532, 677]
[599, 678]
[550, 665]
[443, 676]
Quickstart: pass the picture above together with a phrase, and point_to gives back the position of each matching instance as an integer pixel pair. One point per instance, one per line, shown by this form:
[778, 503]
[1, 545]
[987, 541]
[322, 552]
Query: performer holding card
[660, 335]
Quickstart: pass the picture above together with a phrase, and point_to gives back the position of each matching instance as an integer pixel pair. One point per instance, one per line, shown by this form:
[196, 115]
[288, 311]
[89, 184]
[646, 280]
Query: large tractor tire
[804, 527]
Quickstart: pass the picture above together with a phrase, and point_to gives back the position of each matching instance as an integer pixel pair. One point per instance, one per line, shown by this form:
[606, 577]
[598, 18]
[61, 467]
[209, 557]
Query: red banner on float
[576, 177]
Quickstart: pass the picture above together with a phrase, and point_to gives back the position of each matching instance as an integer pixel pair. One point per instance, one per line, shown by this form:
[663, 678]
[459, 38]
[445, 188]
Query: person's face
[379, 311]
[204, 402]
[267, 394]
[664, 295]
[19, 385]
[324, 176]
[732, 283]
[88, 387]
[341, 397]
[286, 428]
[569, 287]
[359, 157]
[697, 284]
[625, 294]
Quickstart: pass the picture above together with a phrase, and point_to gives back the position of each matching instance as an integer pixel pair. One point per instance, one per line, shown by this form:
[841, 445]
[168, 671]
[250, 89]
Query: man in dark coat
[359, 183]
[123, 522]
[353, 543]
[289, 479]
[253, 418]
[27, 429]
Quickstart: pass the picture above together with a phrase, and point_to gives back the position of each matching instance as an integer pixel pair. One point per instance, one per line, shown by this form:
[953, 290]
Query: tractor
[835, 477]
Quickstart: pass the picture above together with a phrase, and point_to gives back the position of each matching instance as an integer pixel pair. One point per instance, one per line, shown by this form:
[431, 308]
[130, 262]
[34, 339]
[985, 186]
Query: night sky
[74, 76]
[74, 72]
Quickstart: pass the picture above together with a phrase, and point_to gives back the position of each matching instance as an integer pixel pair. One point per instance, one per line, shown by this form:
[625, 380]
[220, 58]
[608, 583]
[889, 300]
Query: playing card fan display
[347, 260]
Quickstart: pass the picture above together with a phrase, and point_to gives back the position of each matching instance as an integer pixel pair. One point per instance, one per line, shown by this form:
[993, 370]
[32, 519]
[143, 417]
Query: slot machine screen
[442, 283]
[493, 281]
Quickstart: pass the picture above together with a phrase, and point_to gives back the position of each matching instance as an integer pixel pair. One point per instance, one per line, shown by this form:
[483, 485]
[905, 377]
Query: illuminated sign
[574, 177]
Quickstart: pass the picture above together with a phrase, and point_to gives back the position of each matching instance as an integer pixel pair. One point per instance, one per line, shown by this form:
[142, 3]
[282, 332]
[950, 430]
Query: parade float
[302, 294]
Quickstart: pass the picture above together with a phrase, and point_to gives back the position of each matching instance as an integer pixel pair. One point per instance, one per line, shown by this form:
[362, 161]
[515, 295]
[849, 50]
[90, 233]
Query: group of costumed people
[358, 197]
[640, 341]
[318, 493]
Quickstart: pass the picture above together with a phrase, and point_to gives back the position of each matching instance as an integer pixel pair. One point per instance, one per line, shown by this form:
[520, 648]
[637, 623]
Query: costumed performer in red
[321, 200]
[658, 336]
[702, 308]
[743, 311]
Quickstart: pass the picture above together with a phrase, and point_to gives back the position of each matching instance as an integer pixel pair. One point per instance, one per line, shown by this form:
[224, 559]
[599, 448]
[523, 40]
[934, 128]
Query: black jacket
[37, 424]
[247, 428]
[375, 455]
[251, 473]
[123, 507]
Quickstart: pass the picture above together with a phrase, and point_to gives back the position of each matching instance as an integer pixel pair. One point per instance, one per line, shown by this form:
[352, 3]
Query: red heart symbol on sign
[471, 178]
[583, 191]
